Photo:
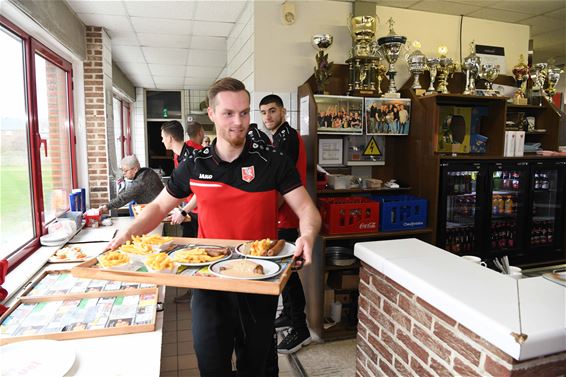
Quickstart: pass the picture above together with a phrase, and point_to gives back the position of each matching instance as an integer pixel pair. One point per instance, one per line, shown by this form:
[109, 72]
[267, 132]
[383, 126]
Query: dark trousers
[293, 295]
[224, 321]
[190, 229]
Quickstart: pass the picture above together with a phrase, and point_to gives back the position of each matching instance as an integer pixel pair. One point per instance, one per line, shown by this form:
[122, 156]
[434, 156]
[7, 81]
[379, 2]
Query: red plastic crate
[349, 215]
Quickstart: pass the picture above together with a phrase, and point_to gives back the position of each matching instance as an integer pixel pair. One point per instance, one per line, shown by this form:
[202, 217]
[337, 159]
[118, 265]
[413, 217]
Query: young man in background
[287, 140]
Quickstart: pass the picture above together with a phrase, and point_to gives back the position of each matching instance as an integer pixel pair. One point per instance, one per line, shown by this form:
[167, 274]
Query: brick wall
[399, 334]
[95, 115]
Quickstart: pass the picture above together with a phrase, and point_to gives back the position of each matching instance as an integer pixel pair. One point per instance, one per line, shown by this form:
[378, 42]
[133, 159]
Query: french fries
[159, 262]
[113, 259]
[150, 239]
[196, 255]
[136, 248]
[260, 247]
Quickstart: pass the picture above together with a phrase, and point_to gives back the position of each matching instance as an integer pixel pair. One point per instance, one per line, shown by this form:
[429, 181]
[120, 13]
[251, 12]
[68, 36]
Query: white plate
[172, 255]
[287, 251]
[41, 357]
[270, 269]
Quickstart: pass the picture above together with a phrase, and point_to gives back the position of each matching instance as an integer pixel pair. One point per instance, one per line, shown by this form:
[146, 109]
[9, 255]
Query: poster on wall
[339, 114]
[330, 152]
[387, 116]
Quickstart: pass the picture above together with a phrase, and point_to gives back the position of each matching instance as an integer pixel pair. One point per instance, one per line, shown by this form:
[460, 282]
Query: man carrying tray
[236, 182]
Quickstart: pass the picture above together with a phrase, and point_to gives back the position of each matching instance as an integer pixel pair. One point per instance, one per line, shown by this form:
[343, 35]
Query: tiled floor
[177, 353]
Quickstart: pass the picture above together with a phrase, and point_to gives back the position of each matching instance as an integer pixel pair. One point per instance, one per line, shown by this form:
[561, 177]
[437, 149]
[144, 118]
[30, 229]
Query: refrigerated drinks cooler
[510, 207]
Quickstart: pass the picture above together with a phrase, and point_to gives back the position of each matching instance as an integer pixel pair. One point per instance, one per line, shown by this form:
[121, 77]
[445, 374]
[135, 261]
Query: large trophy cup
[322, 70]
[445, 68]
[417, 65]
[521, 73]
[489, 73]
[552, 77]
[471, 66]
[432, 65]
[538, 75]
[364, 62]
[390, 47]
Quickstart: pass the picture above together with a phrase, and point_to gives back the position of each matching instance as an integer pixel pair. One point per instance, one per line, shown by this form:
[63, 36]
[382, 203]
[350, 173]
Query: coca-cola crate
[349, 215]
[402, 212]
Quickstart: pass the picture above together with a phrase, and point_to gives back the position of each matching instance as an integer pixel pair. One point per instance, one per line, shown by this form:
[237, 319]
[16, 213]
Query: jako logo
[205, 176]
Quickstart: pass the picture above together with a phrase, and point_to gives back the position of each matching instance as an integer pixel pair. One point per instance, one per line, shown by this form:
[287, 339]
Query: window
[37, 157]
[122, 129]
[16, 199]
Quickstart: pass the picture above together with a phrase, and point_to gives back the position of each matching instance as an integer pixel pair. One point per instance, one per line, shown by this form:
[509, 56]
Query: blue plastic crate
[402, 212]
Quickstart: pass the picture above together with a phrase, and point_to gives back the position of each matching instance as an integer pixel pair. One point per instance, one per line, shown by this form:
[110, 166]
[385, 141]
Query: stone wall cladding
[400, 334]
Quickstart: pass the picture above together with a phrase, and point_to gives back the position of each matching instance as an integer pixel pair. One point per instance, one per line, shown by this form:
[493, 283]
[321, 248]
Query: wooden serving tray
[273, 286]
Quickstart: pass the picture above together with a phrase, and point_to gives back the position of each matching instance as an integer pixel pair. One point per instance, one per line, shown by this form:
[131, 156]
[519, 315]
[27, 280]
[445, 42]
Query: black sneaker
[294, 341]
[282, 322]
[184, 298]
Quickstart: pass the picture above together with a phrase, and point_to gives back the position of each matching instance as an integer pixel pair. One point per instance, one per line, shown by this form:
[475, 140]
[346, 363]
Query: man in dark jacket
[145, 185]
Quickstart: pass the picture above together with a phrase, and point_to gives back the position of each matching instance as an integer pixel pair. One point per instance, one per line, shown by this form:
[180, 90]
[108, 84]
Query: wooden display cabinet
[313, 277]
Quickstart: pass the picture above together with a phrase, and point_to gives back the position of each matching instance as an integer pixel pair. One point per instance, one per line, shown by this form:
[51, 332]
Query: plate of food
[245, 269]
[200, 255]
[266, 249]
[70, 253]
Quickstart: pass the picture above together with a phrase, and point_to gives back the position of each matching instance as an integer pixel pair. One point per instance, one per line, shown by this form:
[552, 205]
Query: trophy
[364, 60]
[471, 66]
[553, 75]
[417, 65]
[390, 47]
[432, 66]
[489, 72]
[445, 68]
[538, 75]
[322, 70]
[521, 73]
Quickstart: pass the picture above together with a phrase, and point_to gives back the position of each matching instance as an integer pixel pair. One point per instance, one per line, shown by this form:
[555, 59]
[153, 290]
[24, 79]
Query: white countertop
[483, 300]
[133, 355]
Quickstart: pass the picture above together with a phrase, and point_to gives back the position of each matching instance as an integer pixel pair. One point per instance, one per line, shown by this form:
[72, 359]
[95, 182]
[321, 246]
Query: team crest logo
[248, 174]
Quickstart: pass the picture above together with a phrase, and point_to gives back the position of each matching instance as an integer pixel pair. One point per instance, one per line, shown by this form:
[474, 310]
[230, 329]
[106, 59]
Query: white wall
[433, 30]
[139, 135]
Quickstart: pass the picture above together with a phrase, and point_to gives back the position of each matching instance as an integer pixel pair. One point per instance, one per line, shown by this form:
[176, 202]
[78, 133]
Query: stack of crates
[402, 212]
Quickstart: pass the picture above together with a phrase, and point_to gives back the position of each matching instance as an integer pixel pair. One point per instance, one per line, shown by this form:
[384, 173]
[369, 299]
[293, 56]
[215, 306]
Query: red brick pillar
[95, 115]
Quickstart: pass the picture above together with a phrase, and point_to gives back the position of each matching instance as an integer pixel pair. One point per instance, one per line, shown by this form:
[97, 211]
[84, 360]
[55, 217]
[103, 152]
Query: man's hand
[119, 240]
[177, 217]
[103, 208]
[304, 246]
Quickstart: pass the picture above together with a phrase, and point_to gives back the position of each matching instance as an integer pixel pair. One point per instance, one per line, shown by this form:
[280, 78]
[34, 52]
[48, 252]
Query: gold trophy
[445, 68]
[364, 61]
[552, 77]
[322, 70]
[390, 48]
[489, 72]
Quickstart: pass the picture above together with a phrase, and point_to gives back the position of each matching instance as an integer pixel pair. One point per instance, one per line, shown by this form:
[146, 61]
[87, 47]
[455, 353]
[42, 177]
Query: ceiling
[182, 44]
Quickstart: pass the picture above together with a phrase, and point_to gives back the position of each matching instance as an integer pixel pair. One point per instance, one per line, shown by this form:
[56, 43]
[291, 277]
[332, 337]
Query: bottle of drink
[550, 232]
[545, 182]
[537, 181]
[494, 205]
[515, 180]
[509, 205]
[506, 182]
[500, 205]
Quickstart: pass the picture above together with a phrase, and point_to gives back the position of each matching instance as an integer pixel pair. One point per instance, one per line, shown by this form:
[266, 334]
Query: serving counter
[136, 354]
[432, 312]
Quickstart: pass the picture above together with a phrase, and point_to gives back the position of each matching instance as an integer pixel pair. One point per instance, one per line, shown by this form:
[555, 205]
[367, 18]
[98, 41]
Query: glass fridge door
[506, 199]
[545, 207]
[460, 210]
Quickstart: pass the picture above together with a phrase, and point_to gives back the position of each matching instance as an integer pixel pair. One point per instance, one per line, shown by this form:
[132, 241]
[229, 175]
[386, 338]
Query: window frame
[31, 46]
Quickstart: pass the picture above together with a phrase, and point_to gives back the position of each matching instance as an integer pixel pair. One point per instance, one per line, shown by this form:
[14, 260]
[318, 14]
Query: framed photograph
[387, 116]
[339, 115]
[330, 152]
